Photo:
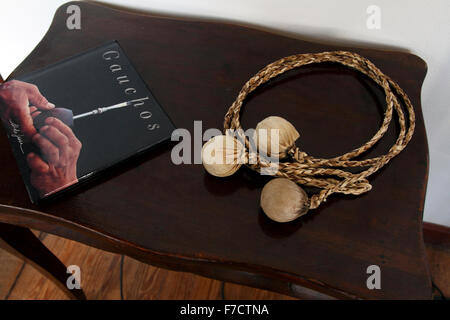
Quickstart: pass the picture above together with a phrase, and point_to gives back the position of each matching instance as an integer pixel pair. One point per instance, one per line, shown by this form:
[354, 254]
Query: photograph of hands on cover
[77, 117]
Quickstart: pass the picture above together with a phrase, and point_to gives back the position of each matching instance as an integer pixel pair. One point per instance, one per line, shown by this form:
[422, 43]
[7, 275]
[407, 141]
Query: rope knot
[298, 155]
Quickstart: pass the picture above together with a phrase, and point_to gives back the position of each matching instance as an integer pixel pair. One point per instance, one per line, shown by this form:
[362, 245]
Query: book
[99, 113]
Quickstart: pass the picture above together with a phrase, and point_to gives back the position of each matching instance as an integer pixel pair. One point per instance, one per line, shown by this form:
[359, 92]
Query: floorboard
[10, 268]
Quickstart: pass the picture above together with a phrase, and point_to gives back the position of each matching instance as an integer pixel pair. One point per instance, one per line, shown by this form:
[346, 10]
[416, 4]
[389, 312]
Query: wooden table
[181, 218]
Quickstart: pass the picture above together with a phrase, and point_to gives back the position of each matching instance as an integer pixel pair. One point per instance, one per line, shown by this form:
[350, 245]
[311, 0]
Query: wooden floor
[100, 274]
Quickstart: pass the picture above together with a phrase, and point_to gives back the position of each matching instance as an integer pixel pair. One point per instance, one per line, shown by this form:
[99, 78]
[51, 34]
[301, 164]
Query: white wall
[421, 26]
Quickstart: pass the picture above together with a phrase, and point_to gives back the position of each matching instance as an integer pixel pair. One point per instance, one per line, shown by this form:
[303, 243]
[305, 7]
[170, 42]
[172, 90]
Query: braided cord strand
[310, 171]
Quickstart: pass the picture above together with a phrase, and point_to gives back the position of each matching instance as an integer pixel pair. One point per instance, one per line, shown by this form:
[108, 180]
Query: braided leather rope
[330, 174]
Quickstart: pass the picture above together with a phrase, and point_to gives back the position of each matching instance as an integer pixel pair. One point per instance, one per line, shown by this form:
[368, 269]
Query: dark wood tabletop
[179, 217]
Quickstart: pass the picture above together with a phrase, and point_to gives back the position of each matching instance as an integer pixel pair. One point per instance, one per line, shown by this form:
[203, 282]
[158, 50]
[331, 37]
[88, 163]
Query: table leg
[22, 243]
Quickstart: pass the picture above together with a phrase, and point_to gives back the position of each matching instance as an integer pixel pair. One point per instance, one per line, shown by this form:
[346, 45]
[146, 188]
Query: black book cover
[104, 114]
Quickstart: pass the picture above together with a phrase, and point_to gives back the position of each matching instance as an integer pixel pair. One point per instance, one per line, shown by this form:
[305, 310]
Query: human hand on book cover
[15, 100]
[55, 167]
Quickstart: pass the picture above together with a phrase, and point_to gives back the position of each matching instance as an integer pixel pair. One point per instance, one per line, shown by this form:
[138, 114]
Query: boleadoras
[282, 199]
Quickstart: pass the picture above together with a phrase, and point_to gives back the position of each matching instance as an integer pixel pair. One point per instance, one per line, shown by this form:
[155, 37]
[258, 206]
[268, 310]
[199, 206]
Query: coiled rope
[330, 174]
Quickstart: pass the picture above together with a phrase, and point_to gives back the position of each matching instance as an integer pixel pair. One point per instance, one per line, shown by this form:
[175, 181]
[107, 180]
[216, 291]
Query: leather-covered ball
[282, 200]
